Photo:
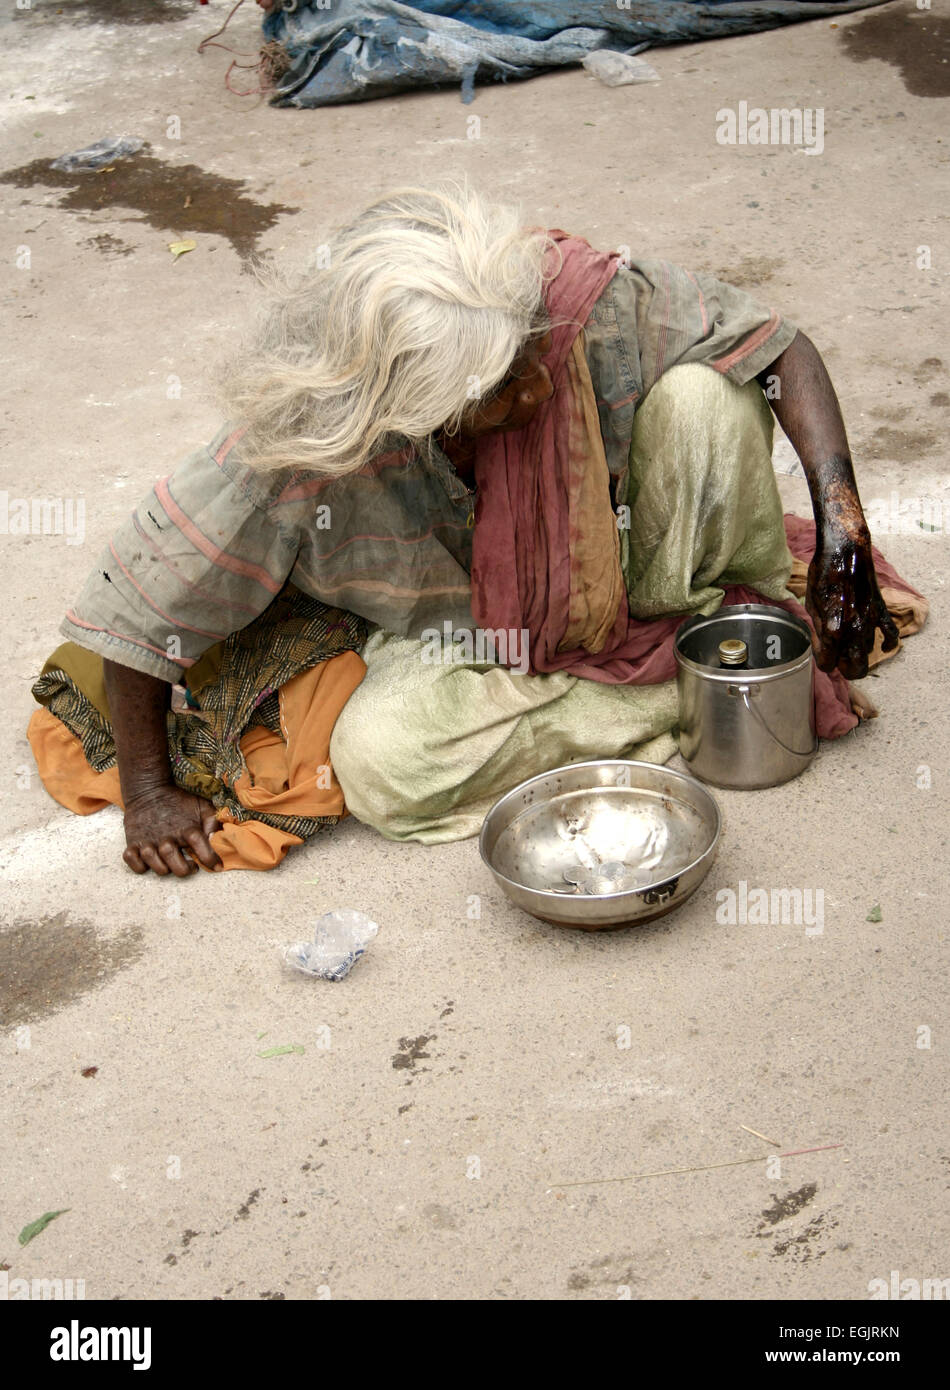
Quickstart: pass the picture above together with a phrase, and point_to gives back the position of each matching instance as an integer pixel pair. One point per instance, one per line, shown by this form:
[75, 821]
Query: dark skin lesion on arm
[842, 596]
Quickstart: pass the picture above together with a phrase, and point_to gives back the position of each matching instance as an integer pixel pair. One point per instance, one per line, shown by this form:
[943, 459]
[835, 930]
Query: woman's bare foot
[860, 703]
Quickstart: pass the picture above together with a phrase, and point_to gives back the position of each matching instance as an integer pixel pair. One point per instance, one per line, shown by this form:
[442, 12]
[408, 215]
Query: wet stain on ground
[917, 42]
[242, 1214]
[800, 1249]
[904, 446]
[440, 1217]
[789, 1205]
[114, 11]
[109, 245]
[48, 964]
[928, 369]
[159, 191]
[244, 1211]
[749, 271]
[411, 1050]
[614, 1271]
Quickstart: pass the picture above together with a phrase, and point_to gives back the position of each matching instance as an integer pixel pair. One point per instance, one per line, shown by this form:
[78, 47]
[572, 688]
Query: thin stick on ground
[701, 1168]
[765, 1139]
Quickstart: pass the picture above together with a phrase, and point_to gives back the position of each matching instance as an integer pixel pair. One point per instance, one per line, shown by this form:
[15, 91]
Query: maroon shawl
[521, 565]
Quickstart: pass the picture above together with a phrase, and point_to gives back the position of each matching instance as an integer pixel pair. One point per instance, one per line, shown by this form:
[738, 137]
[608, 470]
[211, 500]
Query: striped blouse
[212, 544]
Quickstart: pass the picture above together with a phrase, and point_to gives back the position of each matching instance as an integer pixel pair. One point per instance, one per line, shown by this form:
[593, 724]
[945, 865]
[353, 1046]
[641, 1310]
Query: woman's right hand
[161, 823]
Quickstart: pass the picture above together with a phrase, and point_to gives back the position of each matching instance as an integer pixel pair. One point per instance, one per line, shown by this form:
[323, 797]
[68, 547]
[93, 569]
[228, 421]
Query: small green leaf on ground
[40, 1224]
[282, 1051]
[180, 248]
[262, 1034]
[875, 915]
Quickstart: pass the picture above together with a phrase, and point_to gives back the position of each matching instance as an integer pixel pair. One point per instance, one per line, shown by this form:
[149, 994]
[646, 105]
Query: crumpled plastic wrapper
[340, 938]
[99, 155]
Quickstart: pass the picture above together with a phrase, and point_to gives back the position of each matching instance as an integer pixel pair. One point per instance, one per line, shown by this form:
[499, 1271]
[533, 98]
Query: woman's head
[425, 302]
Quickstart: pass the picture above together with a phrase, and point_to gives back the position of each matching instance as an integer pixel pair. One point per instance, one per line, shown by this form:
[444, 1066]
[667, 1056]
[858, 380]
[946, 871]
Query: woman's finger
[823, 644]
[134, 860]
[853, 663]
[199, 846]
[827, 654]
[173, 857]
[153, 859]
[888, 627]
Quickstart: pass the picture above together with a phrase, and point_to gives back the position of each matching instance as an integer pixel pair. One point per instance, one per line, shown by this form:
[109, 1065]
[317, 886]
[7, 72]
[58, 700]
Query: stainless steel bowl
[602, 844]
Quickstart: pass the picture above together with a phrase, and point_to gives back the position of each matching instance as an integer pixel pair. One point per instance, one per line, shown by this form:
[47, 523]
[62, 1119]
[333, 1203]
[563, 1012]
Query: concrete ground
[461, 1097]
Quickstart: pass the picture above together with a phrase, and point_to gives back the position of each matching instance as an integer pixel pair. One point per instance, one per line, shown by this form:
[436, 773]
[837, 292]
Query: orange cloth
[285, 776]
[597, 585]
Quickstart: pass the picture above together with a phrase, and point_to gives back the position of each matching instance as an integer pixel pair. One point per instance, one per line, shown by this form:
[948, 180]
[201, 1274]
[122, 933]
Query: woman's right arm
[200, 557]
[161, 819]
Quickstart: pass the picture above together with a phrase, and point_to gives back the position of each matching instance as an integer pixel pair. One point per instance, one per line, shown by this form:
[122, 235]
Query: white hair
[423, 302]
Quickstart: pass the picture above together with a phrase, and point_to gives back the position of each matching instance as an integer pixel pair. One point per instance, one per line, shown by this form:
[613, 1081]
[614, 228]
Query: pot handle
[744, 691]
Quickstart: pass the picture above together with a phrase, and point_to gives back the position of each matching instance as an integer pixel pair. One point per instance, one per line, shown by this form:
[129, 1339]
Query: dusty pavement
[473, 1065]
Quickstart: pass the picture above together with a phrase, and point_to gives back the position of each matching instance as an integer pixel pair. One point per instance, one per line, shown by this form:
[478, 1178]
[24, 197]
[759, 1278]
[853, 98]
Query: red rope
[209, 42]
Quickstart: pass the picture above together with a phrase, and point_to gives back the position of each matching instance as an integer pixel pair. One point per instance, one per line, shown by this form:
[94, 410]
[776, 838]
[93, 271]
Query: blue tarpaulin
[352, 50]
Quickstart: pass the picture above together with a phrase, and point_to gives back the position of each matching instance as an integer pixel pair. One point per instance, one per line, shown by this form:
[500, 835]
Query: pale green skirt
[423, 750]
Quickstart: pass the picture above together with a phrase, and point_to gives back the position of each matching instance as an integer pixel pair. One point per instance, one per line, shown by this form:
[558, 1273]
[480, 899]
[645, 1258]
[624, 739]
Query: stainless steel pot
[753, 725]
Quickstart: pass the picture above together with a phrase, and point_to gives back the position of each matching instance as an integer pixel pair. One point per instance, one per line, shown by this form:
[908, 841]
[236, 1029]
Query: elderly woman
[500, 466]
